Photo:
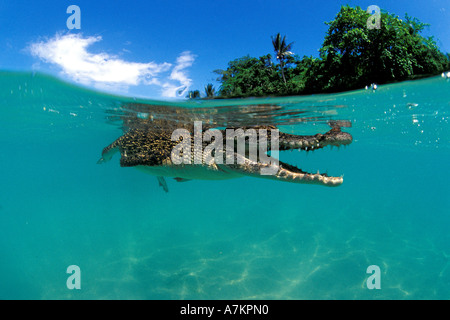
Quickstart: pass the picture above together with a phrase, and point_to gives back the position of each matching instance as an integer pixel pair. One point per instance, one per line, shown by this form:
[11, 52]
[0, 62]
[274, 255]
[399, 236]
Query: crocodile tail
[109, 151]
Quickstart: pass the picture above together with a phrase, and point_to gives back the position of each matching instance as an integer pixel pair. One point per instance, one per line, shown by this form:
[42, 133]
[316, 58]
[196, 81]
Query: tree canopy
[352, 56]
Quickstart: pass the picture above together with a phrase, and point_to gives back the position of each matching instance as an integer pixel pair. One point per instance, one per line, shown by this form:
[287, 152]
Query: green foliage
[249, 76]
[193, 94]
[210, 92]
[282, 50]
[352, 56]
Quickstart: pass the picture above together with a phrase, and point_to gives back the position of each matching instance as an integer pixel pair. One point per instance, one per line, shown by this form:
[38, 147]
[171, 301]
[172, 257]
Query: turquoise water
[239, 239]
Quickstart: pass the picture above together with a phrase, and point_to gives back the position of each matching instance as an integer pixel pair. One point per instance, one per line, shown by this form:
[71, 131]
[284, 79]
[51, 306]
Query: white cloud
[185, 60]
[70, 53]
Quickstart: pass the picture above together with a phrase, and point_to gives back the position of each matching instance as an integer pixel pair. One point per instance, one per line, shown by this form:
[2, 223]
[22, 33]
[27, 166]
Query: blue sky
[153, 49]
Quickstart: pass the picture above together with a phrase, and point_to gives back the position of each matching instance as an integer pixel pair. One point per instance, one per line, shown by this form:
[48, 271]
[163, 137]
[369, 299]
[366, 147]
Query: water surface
[239, 239]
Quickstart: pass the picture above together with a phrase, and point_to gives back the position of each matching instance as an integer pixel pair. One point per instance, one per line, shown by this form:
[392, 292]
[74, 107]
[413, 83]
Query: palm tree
[282, 50]
[210, 91]
[193, 94]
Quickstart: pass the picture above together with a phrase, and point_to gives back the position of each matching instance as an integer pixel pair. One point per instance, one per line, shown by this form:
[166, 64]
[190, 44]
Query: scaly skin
[149, 149]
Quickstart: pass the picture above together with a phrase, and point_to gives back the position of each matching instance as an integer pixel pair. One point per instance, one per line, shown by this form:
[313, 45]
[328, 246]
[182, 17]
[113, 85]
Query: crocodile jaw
[308, 178]
[281, 172]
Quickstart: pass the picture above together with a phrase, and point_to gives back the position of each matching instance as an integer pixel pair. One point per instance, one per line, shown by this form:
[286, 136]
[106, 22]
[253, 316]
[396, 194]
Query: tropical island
[352, 56]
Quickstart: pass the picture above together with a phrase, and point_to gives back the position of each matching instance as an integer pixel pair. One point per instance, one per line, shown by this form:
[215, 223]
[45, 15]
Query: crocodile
[149, 149]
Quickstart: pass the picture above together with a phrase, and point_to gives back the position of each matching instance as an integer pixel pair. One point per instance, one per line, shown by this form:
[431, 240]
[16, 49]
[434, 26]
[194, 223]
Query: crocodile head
[286, 172]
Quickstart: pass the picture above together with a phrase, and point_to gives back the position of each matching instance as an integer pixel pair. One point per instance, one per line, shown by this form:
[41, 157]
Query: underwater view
[244, 238]
[209, 151]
